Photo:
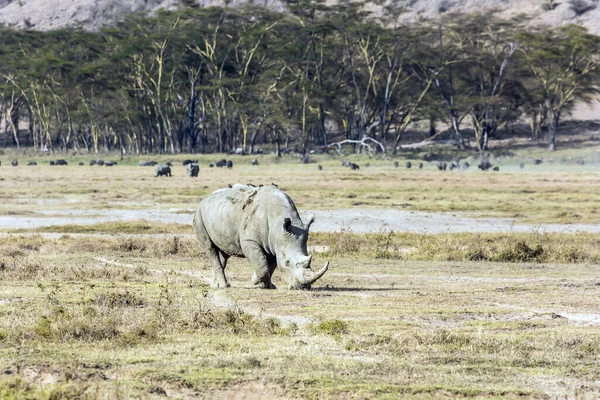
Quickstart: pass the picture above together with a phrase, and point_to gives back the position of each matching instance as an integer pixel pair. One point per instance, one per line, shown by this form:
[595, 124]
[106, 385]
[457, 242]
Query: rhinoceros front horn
[311, 277]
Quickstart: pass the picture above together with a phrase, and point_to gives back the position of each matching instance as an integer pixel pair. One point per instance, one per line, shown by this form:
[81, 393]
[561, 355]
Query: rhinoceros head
[292, 256]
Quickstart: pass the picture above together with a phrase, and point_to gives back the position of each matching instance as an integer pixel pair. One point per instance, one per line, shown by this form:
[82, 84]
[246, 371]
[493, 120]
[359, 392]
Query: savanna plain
[122, 309]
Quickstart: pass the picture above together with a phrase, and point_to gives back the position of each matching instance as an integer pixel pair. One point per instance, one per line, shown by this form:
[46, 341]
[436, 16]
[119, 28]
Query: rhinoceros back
[244, 213]
[223, 214]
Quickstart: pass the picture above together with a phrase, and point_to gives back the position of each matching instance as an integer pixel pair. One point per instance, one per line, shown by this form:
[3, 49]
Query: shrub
[334, 327]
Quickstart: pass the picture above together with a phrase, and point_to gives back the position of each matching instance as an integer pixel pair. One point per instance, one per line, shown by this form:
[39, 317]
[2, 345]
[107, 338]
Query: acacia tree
[488, 74]
[564, 69]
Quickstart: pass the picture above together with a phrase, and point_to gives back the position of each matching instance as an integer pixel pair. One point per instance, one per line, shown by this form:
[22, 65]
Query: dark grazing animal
[192, 170]
[221, 163]
[396, 164]
[255, 162]
[408, 165]
[442, 166]
[354, 167]
[51, 163]
[99, 162]
[163, 170]
[229, 164]
[110, 163]
[61, 162]
[92, 162]
[148, 163]
[320, 167]
[14, 163]
[485, 165]
[186, 162]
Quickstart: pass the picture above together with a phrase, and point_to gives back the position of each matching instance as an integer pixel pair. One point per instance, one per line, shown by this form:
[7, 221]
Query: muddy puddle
[351, 220]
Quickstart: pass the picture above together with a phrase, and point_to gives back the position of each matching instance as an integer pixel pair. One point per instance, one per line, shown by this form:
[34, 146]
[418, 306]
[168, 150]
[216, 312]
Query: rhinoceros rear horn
[311, 219]
[311, 278]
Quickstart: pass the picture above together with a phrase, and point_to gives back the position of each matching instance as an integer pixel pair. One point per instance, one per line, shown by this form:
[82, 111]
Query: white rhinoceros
[261, 224]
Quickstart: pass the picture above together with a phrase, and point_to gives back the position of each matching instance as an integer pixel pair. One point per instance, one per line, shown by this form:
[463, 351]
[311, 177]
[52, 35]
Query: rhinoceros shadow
[355, 289]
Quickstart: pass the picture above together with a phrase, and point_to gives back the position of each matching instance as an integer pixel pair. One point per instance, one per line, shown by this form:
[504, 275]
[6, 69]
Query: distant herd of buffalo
[192, 167]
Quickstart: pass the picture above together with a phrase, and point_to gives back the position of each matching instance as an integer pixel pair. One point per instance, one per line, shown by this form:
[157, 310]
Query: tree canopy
[219, 79]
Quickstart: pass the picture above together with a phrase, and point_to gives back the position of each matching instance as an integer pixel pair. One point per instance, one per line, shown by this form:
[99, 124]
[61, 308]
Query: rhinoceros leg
[218, 269]
[217, 259]
[272, 261]
[257, 257]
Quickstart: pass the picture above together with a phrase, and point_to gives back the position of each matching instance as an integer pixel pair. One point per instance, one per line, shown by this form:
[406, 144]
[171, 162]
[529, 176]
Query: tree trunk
[534, 124]
[432, 128]
[552, 131]
[456, 129]
[253, 141]
[278, 146]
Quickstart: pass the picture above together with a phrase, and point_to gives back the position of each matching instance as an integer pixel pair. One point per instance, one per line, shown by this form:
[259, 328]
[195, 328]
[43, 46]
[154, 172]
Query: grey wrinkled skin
[261, 224]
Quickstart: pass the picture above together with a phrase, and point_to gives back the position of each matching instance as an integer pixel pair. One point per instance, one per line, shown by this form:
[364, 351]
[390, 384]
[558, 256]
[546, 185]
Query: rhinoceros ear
[286, 224]
[311, 219]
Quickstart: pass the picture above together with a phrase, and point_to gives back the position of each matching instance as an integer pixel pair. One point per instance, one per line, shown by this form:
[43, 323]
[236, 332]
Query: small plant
[119, 299]
[383, 242]
[333, 327]
[521, 252]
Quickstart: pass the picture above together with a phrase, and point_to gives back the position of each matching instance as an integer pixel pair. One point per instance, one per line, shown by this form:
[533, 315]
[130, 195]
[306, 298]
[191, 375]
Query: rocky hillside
[91, 14]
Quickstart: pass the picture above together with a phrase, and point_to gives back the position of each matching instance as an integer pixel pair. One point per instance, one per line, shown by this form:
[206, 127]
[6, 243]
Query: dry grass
[397, 315]
[75, 327]
[510, 247]
[138, 227]
[558, 192]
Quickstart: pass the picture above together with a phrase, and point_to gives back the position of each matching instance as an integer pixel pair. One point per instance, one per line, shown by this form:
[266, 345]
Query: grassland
[122, 309]
[131, 317]
[551, 192]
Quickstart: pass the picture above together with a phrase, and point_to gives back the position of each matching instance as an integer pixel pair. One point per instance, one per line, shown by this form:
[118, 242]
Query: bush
[333, 327]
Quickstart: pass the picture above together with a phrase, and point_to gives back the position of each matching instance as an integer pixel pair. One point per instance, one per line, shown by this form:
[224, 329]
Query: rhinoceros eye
[287, 223]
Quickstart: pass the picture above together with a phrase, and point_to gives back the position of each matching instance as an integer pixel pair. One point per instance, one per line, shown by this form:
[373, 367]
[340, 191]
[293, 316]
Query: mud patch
[349, 220]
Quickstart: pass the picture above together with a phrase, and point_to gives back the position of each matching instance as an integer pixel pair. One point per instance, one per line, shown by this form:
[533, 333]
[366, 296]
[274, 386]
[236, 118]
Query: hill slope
[91, 14]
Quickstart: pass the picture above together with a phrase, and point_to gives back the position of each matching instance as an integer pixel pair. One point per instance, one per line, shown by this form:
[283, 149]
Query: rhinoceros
[261, 224]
